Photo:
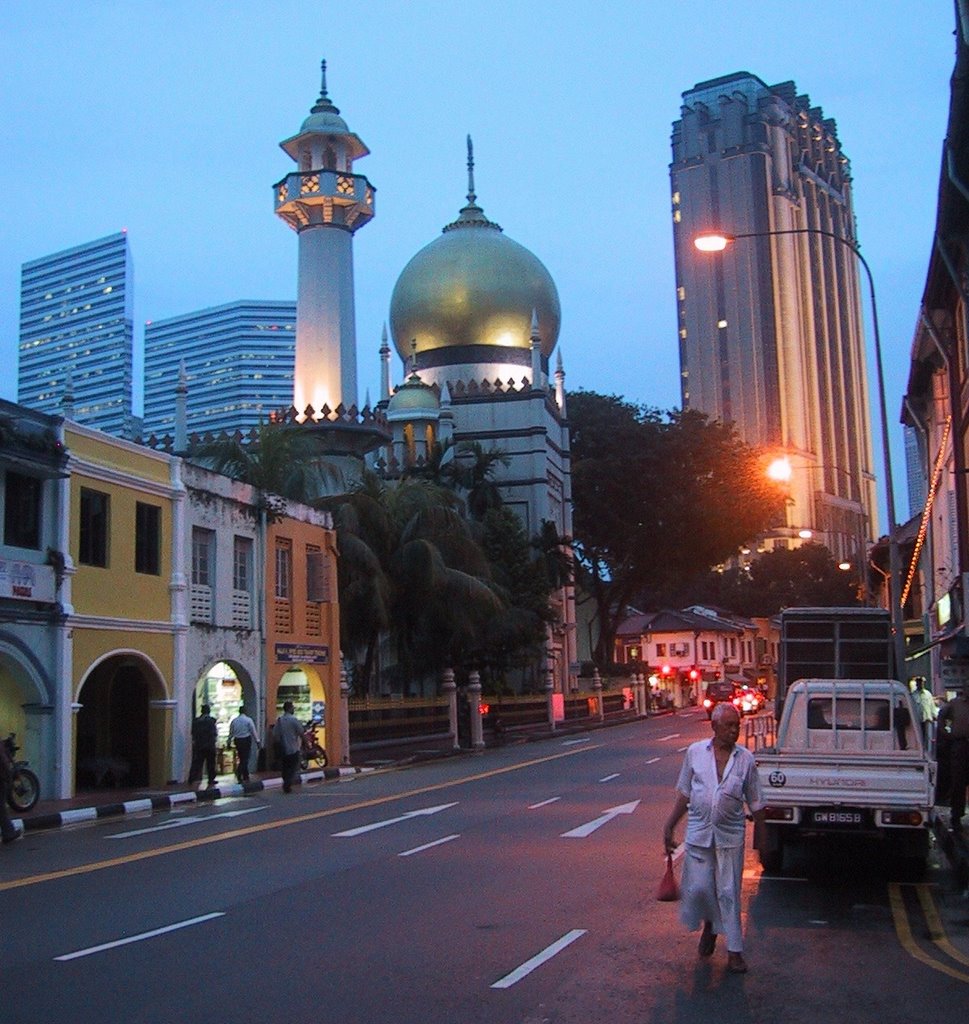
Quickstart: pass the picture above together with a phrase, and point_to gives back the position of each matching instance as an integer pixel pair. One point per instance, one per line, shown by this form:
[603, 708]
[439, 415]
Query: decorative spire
[471, 196]
[472, 216]
[384, 347]
[324, 104]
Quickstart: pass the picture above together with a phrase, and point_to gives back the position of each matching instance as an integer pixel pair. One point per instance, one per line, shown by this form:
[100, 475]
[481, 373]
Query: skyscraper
[771, 333]
[238, 359]
[76, 334]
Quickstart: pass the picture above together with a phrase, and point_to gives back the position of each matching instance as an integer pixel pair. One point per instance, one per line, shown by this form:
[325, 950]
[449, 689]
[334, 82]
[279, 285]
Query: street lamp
[713, 241]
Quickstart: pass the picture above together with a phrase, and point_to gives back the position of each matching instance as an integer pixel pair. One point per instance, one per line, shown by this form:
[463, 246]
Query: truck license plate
[837, 817]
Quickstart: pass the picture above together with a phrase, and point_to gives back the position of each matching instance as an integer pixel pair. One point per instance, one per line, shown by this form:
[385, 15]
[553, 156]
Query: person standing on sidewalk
[242, 732]
[954, 716]
[205, 736]
[8, 830]
[288, 737]
[716, 780]
[927, 711]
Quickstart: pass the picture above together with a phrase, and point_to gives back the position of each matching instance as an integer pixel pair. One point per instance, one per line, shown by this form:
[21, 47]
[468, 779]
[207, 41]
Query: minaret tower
[325, 202]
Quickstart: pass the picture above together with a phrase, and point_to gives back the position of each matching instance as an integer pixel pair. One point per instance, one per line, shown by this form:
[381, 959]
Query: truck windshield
[822, 712]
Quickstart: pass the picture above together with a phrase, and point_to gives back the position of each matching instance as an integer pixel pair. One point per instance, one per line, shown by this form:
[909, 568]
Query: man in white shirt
[716, 780]
[242, 732]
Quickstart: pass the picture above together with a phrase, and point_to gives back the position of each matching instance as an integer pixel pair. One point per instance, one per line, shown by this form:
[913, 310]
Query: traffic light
[694, 675]
[666, 671]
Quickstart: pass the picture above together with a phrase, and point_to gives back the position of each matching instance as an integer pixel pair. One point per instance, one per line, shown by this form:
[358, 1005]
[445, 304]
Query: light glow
[780, 469]
[711, 242]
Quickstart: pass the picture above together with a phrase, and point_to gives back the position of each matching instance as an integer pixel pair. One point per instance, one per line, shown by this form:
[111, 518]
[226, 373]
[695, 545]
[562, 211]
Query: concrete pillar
[344, 712]
[597, 689]
[549, 692]
[474, 700]
[451, 692]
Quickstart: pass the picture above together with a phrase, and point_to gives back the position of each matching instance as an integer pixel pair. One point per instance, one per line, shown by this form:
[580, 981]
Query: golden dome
[473, 287]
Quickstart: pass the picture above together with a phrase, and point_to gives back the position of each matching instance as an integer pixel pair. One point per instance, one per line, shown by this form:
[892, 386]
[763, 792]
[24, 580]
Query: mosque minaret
[325, 203]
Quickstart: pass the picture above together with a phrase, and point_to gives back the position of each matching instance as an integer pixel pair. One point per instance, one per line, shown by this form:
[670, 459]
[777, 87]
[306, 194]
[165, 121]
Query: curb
[61, 819]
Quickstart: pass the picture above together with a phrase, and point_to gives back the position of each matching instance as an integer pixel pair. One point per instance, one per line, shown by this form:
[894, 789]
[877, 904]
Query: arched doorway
[305, 689]
[114, 738]
[225, 687]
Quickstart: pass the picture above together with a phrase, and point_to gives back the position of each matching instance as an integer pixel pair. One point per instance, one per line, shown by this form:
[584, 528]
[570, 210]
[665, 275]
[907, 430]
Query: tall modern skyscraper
[771, 330]
[76, 334]
[238, 359]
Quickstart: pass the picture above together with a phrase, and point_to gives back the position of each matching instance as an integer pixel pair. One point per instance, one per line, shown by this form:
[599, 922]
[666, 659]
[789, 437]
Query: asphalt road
[515, 887]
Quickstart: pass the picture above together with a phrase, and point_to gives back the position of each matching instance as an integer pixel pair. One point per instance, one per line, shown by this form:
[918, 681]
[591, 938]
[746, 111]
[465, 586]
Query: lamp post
[717, 242]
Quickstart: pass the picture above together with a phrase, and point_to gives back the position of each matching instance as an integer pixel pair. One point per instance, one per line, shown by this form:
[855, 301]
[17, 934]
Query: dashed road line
[138, 938]
[540, 958]
[428, 846]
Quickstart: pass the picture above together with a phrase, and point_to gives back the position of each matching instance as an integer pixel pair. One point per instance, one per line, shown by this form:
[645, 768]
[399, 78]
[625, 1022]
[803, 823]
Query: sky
[164, 118]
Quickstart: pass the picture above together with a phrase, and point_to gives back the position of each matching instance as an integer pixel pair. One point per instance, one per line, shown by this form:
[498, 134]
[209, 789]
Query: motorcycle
[312, 752]
[24, 790]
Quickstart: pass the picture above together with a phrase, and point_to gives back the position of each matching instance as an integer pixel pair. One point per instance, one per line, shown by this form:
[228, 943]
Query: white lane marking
[680, 750]
[544, 803]
[581, 831]
[351, 832]
[427, 846]
[138, 938]
[195, 819]
[572, 743]
[652, 760]
[609, 778]
[536, 961]
[672, 736]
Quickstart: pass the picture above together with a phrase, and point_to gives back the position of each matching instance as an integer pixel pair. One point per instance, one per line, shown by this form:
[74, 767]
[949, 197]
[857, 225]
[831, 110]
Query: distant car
[718, 693]
[748, 701]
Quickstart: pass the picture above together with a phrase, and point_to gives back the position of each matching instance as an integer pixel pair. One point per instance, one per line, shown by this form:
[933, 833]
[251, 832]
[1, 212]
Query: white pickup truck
[847, 761]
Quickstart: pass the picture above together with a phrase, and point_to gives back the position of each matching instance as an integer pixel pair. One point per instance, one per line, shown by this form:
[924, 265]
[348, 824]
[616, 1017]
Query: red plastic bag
[669, 889]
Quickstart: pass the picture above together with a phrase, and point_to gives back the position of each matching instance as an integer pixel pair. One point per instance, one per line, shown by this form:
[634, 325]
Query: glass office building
[76, 334]
[239, 363]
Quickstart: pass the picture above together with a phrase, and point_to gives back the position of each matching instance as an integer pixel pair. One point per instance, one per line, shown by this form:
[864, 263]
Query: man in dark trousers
[8, 830]
[954, 720]
[288, 737]
[205, 736]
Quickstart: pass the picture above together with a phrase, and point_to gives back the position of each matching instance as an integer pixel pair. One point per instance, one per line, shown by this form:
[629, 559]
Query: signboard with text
[307, 654]
[25, 581]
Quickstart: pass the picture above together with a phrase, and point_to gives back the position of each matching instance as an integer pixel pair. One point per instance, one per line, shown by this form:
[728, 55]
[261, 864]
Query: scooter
[312, 751]
[24, 791]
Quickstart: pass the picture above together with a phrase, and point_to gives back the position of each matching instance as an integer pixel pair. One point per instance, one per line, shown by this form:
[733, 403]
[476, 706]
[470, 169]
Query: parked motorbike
[24, 791]
[312, 753]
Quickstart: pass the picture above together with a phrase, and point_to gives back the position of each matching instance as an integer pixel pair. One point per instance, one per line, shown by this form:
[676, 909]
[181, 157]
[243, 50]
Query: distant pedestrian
[242, 732]
[927, 711]
[716, 780]
[205, 736]
[8, 830]
[954, 719]
[288, 737]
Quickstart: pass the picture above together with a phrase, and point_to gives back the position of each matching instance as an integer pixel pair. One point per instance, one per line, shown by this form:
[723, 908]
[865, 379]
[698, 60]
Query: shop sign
[25, 581]
[307, 654]
[955, 673]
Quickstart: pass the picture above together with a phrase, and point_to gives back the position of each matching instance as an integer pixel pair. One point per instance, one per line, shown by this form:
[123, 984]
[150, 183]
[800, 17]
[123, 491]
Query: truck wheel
[772, 852]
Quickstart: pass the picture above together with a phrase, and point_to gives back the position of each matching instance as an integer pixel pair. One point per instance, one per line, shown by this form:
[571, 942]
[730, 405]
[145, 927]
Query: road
[515, 887]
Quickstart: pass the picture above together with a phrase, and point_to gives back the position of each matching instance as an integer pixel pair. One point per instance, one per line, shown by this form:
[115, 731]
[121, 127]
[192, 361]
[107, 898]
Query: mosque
[474, 319]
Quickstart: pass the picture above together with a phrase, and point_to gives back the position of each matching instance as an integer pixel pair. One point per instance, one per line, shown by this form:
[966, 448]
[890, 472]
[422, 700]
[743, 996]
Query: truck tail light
[911, 818]
[779, 813]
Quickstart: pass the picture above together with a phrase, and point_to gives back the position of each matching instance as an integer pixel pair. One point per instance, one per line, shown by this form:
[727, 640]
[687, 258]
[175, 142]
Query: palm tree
[474, 472]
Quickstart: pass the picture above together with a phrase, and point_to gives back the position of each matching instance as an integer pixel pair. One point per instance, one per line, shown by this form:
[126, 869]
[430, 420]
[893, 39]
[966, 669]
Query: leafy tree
[805, 576]
[658, 497]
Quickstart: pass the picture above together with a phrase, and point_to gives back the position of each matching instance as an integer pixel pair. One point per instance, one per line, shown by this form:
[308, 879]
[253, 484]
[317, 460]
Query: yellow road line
[904, 932]
[131, 858]
[936, 928]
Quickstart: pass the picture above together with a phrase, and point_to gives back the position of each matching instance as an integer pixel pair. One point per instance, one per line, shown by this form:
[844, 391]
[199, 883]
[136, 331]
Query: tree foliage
[658, 497]
[807, 576]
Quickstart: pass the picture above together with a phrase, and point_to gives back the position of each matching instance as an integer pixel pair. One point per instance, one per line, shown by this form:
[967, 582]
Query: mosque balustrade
[341, 197]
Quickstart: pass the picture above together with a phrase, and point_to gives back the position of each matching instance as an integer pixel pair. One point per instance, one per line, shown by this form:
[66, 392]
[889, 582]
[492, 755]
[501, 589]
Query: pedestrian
[927, 711]
[954, 718]
[205, 736]
[8, 830]
[288, 737]
[242, 732]
[716, 780]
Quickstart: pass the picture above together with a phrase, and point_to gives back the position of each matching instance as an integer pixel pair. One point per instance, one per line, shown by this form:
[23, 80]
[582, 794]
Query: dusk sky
[165, 118]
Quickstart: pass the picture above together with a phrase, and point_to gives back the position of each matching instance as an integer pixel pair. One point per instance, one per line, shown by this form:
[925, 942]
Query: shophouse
[34, 592]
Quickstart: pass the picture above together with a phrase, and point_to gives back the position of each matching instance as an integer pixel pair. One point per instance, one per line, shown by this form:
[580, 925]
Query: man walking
[954, 718]
[927, 711]
[205, 736]
[288, 737]
[716, 780]
[8, 830]
[242, 732]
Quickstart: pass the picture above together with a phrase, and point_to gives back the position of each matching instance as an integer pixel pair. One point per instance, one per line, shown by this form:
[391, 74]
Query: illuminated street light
[714, 241]
[780, 470]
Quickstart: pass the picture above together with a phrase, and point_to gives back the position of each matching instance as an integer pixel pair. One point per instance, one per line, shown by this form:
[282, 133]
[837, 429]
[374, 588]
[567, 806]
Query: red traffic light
[694, 674]
[666, 670]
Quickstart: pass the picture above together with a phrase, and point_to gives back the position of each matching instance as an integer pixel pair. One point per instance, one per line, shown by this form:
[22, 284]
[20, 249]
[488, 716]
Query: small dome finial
[323, 86]
[471, 196]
